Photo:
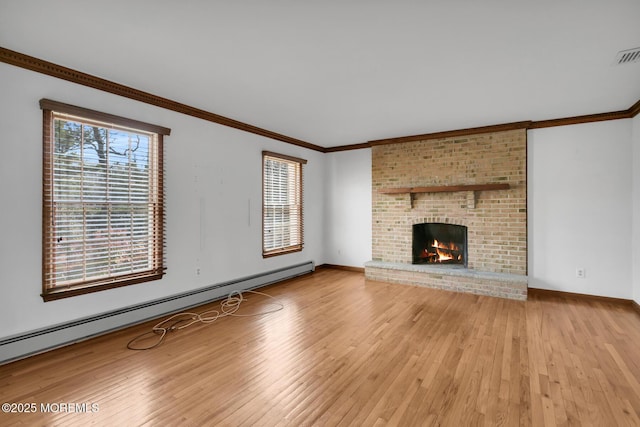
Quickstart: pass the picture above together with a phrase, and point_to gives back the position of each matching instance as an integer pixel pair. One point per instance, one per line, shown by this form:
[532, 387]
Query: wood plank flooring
[346, 351]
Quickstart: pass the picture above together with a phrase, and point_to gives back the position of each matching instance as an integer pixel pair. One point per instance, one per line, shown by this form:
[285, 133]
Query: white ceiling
[338, 72]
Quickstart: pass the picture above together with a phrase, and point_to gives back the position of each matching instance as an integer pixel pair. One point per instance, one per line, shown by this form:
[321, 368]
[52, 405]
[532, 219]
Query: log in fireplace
[439, 244]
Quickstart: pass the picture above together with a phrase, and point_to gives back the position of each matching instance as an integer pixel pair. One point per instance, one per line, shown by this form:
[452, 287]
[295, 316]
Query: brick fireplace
[478, 182]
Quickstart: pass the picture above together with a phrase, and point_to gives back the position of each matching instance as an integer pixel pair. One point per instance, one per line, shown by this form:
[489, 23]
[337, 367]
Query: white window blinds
[282, 213]
[102, 205]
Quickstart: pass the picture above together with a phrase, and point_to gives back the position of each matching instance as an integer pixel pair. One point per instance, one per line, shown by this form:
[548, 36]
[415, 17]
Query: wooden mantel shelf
[444, 188]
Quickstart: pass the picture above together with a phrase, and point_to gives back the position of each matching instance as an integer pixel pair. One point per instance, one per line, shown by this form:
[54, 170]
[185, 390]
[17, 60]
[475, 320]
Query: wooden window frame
[51, 291]
[298, 244]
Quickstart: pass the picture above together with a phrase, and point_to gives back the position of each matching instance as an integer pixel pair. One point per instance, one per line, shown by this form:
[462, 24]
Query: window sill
[81, 289]
[284, 251]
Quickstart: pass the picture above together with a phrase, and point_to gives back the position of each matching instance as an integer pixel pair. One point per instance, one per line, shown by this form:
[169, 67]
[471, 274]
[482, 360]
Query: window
[102, 201]
[282, 222]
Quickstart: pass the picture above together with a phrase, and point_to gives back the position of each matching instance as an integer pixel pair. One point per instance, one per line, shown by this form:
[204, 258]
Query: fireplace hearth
[439, 244]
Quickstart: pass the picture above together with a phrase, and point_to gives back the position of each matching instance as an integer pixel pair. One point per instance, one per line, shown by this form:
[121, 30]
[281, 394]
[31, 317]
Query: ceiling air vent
[628, 56]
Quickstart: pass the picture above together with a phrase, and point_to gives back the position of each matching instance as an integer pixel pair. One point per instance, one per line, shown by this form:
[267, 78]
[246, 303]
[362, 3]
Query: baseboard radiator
[33, 342]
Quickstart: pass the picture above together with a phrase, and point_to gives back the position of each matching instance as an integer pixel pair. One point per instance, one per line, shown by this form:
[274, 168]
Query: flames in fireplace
[442, 252]
[437, 243]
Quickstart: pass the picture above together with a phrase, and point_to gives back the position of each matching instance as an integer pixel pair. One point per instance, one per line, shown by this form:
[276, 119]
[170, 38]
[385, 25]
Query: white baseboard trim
[29, 343]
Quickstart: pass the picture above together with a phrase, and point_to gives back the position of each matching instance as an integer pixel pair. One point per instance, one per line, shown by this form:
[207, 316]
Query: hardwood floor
[345, 351]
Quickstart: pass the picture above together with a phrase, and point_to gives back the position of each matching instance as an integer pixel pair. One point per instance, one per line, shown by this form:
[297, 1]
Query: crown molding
[631, 112]
[347, 147]
[614, 115]
[453, 133]
[49, 68]
[436, 135]
[634, 110]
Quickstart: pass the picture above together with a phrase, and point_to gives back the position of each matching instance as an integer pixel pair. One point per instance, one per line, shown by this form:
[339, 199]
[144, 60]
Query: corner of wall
[635, 260]
[347, 212]
[568, 194]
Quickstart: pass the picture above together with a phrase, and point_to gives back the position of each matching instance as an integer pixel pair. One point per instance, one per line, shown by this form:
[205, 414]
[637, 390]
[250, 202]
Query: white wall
[210, 170]
[580, 186]
[348, 208]
[580, 208]
[635, 261]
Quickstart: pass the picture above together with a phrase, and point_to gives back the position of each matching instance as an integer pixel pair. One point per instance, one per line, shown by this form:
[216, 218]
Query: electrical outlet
[580, 273]
[197, 271]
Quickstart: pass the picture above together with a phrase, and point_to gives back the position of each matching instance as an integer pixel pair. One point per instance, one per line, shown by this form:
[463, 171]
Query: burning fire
[443, 252]
[442, 255]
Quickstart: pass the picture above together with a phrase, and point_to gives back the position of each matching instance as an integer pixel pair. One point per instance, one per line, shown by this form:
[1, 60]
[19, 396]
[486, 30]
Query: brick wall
[496, 220]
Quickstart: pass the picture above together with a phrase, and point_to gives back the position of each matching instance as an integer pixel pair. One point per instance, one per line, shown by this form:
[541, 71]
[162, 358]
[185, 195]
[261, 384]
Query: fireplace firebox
[437, 243]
